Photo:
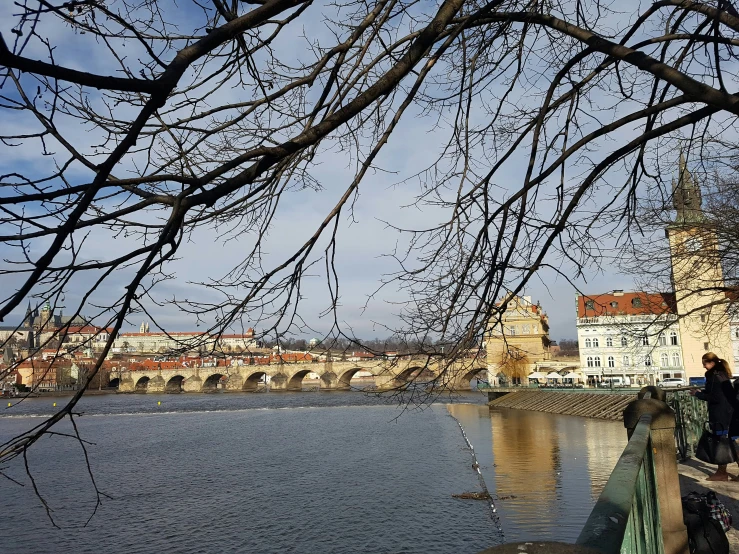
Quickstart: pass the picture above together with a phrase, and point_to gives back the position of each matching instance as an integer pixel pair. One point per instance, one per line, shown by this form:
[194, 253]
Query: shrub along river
[308, 472]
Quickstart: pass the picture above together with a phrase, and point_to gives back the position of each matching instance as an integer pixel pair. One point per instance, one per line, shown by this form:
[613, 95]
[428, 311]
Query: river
[305, 473]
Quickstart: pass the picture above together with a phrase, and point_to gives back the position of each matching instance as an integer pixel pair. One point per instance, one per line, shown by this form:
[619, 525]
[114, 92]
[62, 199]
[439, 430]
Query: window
[663, 360]
[624, 341]
[596, 361]
[588, 343]
[590, 361]
[673, 338]
[609, 341]
[645, 340]
[595, 343]
[636, 302]
[662, 339]
[511, 330]
[627, 362]
[676, 359]
[590, 305]
[526, 329]
[705, 346]
[647, 361]
[614, 304]
[703, 318]
[611, 362]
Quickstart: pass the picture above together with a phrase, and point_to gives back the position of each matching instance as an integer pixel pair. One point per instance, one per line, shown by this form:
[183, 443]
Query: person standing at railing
[717, 393]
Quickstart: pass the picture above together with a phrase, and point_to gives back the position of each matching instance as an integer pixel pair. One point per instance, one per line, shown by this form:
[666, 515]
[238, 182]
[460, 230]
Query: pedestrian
[718, 391]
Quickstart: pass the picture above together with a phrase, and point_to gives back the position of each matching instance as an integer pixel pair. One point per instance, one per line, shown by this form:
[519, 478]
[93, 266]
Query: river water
[302, 473]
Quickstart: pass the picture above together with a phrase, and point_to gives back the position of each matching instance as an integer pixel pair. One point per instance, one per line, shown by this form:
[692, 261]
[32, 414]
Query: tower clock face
[693, 244]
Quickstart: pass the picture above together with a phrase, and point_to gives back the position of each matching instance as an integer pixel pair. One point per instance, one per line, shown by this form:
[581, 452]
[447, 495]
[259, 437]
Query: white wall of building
[642, 347]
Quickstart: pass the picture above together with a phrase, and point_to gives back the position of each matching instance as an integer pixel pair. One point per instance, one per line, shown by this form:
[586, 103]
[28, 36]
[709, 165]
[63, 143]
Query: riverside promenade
[693, 475]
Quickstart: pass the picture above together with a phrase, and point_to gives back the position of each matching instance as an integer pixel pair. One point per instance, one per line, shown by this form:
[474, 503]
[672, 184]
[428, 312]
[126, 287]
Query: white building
[629, 334]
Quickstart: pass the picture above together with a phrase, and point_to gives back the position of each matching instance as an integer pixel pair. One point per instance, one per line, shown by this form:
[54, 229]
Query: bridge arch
[345, 379]
[114, 383]
[175, 384]
[251, 383]
[142, 384]
[465, 378]
[211, 383]
[295, 381]
[414, 372]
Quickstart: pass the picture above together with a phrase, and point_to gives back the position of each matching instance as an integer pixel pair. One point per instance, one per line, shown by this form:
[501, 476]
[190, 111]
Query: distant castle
[38, 322]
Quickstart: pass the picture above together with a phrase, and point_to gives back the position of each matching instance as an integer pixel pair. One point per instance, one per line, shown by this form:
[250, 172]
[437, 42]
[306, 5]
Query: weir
[639, 510]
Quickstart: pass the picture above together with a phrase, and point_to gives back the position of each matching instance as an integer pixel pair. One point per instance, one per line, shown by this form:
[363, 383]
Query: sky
[363, 242]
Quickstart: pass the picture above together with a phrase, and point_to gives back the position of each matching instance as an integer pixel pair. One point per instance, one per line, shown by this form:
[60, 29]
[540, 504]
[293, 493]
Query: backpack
[706, 519]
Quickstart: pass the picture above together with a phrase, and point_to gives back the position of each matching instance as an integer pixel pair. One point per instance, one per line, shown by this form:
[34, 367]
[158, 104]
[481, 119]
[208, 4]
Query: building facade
[650, 336]
[517, 340]
[632, 335]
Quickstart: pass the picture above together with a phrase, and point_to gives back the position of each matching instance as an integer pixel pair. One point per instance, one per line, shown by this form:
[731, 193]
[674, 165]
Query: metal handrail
[615, 519]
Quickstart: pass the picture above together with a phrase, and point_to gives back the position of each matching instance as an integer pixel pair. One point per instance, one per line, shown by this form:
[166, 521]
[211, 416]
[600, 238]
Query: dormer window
[590, 305]
[636, 302]
[614, 304]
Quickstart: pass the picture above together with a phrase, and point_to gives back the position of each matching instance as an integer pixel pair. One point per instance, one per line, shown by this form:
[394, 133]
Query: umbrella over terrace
[537, 375]
[554, 375]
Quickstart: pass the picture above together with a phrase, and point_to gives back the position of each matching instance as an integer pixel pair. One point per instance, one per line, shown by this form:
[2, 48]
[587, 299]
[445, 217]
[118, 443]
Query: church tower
[697, 278]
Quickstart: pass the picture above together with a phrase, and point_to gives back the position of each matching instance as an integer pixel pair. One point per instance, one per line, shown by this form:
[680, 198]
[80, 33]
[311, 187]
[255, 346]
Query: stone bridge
[387, 375]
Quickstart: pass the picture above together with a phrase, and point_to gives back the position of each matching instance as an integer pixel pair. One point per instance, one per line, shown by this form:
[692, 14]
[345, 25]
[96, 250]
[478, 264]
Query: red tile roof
[627, 303]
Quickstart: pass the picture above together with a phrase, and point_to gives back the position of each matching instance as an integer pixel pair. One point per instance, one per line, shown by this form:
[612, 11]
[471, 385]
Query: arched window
[595, 343]
[609, 341]
[590, 361]
[647, 361]
[663, 360]
[676, 359]
[662, 339]
[673, 338]
[626, 361]
[624, 341]
[611, 362]
[645, 340]
[596, 361]
[588, 343]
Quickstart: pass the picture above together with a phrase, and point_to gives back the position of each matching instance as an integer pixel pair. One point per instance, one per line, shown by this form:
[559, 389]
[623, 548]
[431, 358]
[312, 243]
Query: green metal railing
[639, 510]
[626, 517]
[691, 415]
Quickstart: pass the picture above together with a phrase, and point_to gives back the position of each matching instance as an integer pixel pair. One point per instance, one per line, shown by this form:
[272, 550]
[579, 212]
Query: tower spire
[686, 195]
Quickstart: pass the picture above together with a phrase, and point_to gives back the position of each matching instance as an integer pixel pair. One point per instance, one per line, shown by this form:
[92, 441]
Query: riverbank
[605, 404]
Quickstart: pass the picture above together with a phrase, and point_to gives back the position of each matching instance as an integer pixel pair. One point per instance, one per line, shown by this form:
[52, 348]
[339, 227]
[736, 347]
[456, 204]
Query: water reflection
[542, 467]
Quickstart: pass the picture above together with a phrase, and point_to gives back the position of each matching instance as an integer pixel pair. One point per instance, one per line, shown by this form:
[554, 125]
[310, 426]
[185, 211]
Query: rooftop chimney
[618, 292]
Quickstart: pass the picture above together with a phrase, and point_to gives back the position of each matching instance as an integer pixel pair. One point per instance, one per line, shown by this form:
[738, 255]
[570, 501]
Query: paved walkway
[693, 475]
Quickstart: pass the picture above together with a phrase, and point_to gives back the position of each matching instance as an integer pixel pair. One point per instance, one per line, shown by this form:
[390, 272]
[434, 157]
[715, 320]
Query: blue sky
[364, 239]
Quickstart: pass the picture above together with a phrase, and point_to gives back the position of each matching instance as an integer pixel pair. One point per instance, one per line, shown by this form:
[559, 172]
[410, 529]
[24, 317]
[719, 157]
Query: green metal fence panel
[691, 415]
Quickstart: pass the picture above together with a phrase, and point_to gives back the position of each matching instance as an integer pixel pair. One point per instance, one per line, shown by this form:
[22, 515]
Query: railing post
[662, 439]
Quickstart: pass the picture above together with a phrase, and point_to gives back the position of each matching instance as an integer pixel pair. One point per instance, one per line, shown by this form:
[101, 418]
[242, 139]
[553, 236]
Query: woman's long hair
[719, 363]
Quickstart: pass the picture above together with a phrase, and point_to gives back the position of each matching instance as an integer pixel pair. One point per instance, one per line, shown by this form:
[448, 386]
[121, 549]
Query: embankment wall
[579, 403]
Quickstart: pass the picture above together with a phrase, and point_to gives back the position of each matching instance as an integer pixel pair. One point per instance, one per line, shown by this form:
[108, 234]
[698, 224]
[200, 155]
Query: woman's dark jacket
[717, 393]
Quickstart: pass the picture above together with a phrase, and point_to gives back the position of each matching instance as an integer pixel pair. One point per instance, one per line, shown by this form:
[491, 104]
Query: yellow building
[697, 278]
[517, 339]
